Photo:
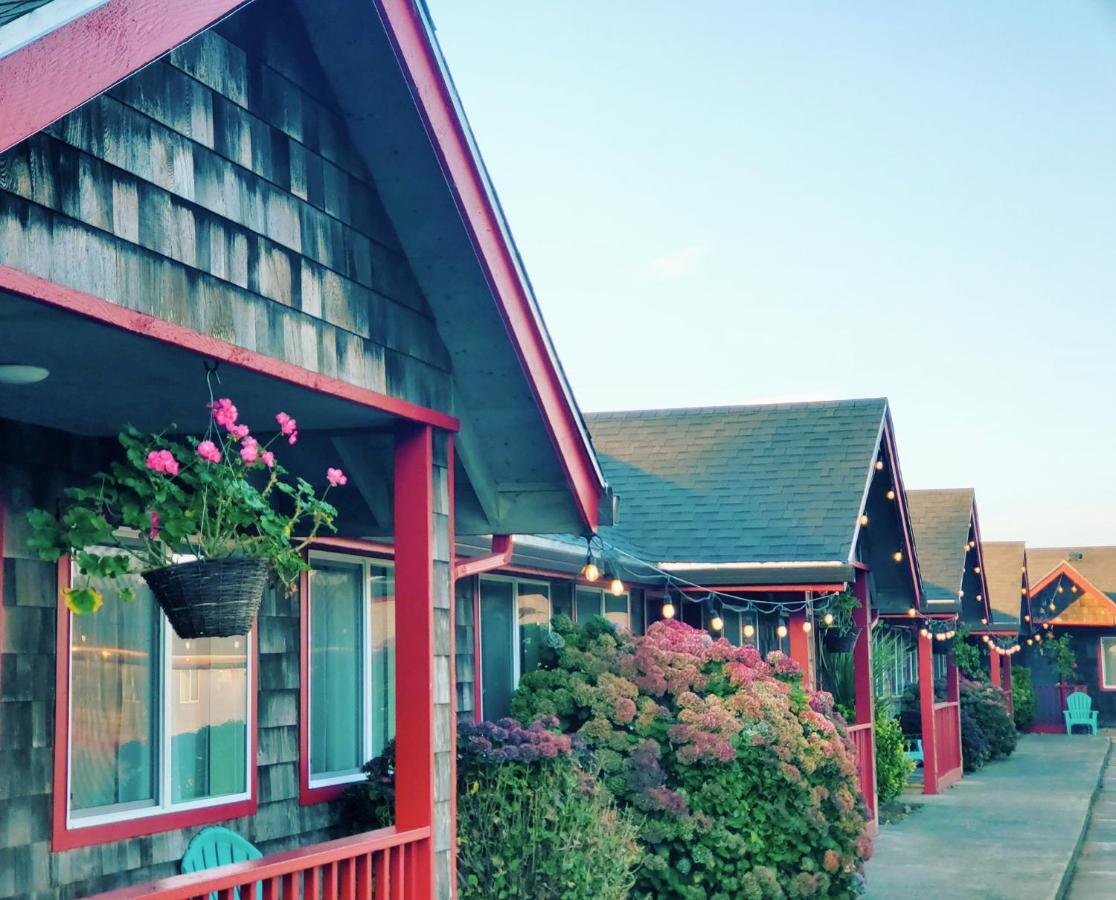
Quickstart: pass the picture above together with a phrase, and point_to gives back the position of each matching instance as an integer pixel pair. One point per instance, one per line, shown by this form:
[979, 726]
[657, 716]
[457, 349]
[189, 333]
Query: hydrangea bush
[743, 780]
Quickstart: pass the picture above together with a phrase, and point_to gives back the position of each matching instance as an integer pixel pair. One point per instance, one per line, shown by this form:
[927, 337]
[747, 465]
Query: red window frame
[307, 795]
[64, 838]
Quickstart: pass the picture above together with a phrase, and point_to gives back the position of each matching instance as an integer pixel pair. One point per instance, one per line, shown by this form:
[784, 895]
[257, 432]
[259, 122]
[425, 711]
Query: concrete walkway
[1007, 832]
[1095, 875]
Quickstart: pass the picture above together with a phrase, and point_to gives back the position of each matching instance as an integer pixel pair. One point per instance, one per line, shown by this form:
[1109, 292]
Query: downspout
[501, 555]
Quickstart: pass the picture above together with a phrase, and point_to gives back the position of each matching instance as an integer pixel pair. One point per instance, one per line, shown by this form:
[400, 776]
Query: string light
[749, 630]
[924, 633]
[864, 519]
[976, 570]
[807, 626]
[668, 607]
[1061, 590]
[890, 495]
[828, 618]
[980, 598]
[912, 612]
[1030, 642]
[984, 622]
[616, 587]
[1073, 588]
[1027, 618]
[879, 465]
[897, 556]
[717, 623]
[781, 630]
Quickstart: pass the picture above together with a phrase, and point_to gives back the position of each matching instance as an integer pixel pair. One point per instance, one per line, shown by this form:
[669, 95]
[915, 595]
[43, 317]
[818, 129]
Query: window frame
[68, 832]
[602, 595]
[322, 789]
[517, 673]
[1101, 681]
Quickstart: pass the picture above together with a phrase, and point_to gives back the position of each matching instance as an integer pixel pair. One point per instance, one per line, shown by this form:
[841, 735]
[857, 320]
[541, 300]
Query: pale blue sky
[733, 202]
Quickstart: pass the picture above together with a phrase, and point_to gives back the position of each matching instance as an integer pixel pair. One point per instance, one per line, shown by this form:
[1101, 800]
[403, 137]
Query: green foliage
[839, 678]
[1064, 658]
[531, 822]
[841, 608]
[968, 657]
[743, 784]
[1022, 698]
[893, 768]
[986, 704]
[974, 745]
[166, 498]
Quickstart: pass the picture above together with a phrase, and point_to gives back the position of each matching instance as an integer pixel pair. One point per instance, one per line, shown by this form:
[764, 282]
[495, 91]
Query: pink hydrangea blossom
[268, 459]
[208, 451]
[153, 532]
[249, 450]
[224, 413]
[162, 461]
[336, 477]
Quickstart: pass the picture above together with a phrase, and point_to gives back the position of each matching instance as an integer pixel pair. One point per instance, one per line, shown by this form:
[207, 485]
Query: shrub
[969, 658]
[743, 783]
[893, 767]
[530, 821]
[1022, 698]
[974, 745]
[988, 706]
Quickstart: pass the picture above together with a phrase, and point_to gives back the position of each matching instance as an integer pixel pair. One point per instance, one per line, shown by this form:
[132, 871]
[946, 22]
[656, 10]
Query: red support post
[926, 708]
[1005, 683]
[800, 645]
[414, 644]
[862, 676]
[994, 666]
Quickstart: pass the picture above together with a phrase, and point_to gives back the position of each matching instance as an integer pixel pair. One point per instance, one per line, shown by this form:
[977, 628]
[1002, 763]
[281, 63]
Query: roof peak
[738, 407]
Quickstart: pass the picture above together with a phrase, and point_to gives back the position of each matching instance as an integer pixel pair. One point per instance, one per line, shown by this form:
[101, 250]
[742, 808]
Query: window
[157, 724]
[1108, 663]
[515, 618]
[599, 602]
[351, 682]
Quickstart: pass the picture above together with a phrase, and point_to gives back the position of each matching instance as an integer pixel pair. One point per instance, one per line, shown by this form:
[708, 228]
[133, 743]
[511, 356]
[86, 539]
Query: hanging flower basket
[210, 597]
[941, 648]
[841, 641]
[223, 502]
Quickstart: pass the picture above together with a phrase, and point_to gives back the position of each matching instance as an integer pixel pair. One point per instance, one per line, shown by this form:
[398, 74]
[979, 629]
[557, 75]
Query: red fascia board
[63, 838]
[501, 555]
[764, 588]
[980, 562]
[60, 71]
[1066, 569]
[35, 288]
[407, 32]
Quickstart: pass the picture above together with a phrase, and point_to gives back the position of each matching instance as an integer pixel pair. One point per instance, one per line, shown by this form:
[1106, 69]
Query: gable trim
[1067, 570]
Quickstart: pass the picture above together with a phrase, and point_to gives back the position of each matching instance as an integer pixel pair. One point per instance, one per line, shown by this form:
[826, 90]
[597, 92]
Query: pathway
[1095, 875]
[1008, 832]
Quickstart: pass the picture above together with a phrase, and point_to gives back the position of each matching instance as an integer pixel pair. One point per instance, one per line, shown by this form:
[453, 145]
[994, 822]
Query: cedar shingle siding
[216, 189]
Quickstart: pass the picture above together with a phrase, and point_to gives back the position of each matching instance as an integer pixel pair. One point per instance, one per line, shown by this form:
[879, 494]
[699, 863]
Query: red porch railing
[863, 739]
[376, 865]
[947, 739]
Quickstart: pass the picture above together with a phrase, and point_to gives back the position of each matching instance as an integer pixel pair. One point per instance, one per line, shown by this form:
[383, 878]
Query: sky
[729, 201]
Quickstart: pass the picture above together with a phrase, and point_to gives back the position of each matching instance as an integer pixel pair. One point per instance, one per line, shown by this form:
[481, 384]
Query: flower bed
[741, 778]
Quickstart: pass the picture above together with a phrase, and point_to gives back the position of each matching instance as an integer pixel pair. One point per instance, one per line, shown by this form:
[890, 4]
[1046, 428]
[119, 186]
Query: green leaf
[82, 601]
[127, 595]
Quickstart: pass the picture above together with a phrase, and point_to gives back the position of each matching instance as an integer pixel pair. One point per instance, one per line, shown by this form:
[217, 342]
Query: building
[289, 193]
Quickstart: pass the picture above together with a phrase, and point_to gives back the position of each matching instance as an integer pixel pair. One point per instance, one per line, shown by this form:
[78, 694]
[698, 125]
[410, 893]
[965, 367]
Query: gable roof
[1005, 564]
[1095, 564]
[742, 484]
[942, 520]
[392, 87]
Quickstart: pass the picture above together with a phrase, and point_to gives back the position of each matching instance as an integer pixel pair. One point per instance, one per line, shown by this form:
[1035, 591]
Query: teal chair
[1079, 711]
[914, 752]
[216, 846]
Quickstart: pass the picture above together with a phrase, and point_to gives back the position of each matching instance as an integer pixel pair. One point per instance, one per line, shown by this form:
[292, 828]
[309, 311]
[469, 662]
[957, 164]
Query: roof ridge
[737, 407]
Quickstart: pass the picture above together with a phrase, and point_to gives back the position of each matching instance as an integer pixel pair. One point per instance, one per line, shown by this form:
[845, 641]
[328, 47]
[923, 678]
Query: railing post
[862, 676]
[414, 646]
[926, 708]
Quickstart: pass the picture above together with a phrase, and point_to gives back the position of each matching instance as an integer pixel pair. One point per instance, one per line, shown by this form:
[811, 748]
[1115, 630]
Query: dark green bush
[893, 768]
[987, 705]
[1022, 698]
[531, 822]
[974, 745]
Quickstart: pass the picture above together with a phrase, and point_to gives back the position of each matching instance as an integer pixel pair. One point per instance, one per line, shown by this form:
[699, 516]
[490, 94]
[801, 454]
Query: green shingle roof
[1003, 570]
[776, 483]
[941, 520]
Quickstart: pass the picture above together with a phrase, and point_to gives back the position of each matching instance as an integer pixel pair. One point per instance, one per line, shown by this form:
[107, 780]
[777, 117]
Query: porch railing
[376, 865]
[863, 739]
[947, 737]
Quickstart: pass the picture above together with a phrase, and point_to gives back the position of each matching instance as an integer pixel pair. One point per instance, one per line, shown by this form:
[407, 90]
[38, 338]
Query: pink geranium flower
[336, 477]
[268, 459]
[224, 413]
[208, 451]
[288, 426]
[239, 431]
[162, 461]
[249, 450]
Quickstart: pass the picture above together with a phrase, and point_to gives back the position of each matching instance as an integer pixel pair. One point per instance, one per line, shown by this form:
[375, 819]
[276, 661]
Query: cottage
[1072, 597]
[1005, 571]
[280, 199]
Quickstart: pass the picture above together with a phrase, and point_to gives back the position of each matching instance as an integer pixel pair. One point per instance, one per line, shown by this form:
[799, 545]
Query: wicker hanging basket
[841, 641]
[210, 597]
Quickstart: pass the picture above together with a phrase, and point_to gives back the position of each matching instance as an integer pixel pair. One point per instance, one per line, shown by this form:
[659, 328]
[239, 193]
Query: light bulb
[1073, 588]
[749, 630]
[1027, 618]
[717, 623]
[1030, 642]
[668, 610]
[807, 626]
[1023, 591]
[897, 556]
[590, 572]
[976, 570]
[616, 587]
[912, 612]
[924, 632]
[983, 621]
[1052, 606]
[890, 495]
[980, 597]
[828, 618]
[1061, 590]
[781, 631]
[864, 520]
[879, 465]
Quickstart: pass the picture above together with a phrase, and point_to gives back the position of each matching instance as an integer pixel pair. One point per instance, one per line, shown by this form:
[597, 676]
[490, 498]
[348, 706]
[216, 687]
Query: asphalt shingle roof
[774, 483]
[1098, 564]
[941, 521]
[1003, 572]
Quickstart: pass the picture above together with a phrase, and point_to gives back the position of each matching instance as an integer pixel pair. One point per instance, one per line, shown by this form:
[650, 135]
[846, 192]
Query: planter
[943, 647]
[210, 597]
[841, 641]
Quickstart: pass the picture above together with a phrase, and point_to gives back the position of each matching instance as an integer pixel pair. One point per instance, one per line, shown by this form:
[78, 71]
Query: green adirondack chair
[216, 846]
[1079, 711]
